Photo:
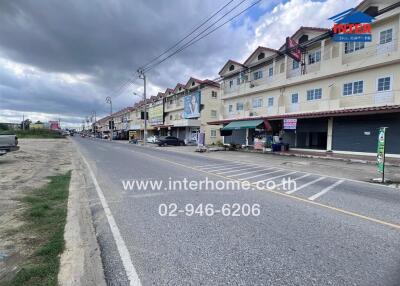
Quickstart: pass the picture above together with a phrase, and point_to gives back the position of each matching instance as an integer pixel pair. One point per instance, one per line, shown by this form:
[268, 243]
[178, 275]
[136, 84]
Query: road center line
[324, 191]
[119, 241]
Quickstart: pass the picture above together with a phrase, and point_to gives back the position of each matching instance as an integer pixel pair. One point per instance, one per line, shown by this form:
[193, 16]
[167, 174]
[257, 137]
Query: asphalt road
[328, 231]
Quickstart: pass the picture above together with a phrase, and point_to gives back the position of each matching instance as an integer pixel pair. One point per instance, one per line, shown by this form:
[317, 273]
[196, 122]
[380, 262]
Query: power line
[203, 31]
[188, 35]
[126, 84]
[195, 41]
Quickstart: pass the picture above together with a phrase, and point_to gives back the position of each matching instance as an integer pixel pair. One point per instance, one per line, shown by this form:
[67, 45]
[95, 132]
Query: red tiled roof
[211, 82]
[330, 113]
[194, 79]
[302, 28]
[230, 61]
[260, 48]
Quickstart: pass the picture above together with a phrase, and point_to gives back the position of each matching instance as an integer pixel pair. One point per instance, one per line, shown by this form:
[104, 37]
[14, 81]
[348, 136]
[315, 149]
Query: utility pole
[23, 122]
[108, 100]
[142, 75]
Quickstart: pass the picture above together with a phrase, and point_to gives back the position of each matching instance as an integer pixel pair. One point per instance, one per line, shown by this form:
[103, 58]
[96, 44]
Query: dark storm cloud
[106, 41]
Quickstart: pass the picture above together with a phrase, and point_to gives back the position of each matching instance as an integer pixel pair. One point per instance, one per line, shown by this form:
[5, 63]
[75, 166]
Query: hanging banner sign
[380, 158]
[290, 123]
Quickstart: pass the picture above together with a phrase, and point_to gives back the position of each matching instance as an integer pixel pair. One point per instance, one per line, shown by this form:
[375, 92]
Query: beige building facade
[339, 94]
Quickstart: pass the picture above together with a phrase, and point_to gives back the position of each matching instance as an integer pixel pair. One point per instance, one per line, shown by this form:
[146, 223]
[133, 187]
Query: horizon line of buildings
[334, 97]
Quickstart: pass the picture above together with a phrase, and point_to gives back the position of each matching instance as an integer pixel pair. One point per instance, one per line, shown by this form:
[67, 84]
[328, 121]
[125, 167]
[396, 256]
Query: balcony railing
[334, 59]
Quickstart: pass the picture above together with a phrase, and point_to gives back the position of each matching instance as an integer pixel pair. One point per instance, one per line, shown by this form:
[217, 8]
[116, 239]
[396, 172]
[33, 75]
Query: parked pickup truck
[8, 143]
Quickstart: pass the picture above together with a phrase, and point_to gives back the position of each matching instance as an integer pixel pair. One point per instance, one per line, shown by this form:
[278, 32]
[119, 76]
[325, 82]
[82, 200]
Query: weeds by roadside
[45, 218]
[38, 134]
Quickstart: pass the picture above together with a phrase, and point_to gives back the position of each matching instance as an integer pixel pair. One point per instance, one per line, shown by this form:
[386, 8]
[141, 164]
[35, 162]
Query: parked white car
[8, 143]
[152, 139]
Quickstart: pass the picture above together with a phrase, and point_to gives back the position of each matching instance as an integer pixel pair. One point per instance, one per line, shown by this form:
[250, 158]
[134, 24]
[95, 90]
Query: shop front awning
[243, 124]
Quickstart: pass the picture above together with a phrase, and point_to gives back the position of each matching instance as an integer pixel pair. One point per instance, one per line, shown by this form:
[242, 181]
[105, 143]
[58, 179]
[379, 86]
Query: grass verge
[38, 133]
[45, 218]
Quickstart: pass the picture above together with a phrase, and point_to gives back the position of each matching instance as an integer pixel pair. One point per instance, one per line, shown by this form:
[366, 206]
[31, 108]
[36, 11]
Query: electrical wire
[196, 39]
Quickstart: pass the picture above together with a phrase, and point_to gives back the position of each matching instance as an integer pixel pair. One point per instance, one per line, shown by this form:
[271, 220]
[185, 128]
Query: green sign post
[380, 158]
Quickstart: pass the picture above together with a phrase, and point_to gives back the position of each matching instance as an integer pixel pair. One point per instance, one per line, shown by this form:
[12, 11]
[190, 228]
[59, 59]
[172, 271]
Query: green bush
[38, 133]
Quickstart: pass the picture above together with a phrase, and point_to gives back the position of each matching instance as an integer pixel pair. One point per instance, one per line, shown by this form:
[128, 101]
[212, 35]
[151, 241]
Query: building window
[213, 133]
[214, 94]
[171, 102]
[230, 108]
[353, 46]
[230, 83]
[257, 75]
[384, 84]
[386, 36]
[295, 65]
[314, 57]
[170, 117]
[295, 98]
[314, 94]
[270, 71]
[231, 68]
[270, 101]
[238, 81]
[261, 56]
[257, 102]
[358, 87]
[239, 106]
[348, 89]
[213, 113]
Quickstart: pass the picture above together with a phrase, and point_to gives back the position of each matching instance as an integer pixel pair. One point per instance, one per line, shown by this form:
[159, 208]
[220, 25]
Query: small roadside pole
[381, 153]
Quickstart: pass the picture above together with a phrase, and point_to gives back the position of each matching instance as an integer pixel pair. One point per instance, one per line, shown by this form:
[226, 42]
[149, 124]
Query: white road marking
[305, 185]
[210, 165]
[301, 177]
[324, 191]
[226, 168]
[263, 174]
[216, 168]
[233, 171]
[269, 179]
[254, 171]
[119, 241]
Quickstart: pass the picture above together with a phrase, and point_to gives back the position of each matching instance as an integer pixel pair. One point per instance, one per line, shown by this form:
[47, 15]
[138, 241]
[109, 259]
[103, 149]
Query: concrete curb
[80, 264]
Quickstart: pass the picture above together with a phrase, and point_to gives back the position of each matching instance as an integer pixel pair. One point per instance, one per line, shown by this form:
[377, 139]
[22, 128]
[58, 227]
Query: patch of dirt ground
[20, 172]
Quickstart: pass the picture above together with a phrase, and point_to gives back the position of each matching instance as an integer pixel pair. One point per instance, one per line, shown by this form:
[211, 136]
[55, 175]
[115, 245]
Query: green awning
[243, 124]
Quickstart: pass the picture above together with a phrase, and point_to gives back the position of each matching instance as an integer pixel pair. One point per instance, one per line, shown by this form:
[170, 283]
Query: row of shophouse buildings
[334, 99]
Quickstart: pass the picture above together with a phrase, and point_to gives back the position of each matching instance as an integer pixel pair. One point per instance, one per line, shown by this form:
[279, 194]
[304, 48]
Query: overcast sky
[61, 58]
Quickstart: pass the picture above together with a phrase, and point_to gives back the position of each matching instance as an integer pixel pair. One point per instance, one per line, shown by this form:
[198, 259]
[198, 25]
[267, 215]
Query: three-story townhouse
[189, 107]
[334, 99]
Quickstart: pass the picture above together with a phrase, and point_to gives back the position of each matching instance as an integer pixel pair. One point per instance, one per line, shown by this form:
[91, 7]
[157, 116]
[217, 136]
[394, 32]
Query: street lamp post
[142, 75]
[109, 101]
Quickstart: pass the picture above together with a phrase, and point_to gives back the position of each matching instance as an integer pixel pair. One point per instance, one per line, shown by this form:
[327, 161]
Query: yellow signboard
[156, 114]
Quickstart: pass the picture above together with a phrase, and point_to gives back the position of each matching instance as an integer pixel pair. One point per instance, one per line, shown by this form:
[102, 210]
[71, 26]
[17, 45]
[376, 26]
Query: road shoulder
[81, 262]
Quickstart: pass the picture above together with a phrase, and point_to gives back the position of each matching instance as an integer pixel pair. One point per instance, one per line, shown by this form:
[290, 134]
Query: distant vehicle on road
[152, 139]
[170, 140]
[8, 143]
